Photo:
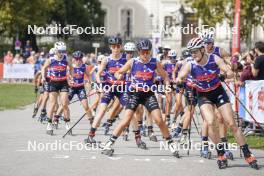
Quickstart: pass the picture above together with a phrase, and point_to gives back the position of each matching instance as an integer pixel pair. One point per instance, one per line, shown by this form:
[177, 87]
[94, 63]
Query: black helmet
[144, 44]
[114, 40]
[77, 55]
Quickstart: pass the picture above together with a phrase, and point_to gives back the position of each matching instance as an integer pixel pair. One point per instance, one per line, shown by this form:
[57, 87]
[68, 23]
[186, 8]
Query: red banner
[236, 29]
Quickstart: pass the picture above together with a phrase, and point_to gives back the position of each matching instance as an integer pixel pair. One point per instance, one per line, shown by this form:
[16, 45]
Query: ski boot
[142, 129]
[107, 149]
[68, 126]
[91, 119]
[183, 140]
[104, 124]
[89, 141]
[173, 148]
[43, 116]
[35, 112]
[176, 132]
[152, 136]
[125, 134]
[49, 129]
[222, 162]
[56, 121]
[140, 143]
[251, 160]
[229, 155]
[205, 153]
[107, 129]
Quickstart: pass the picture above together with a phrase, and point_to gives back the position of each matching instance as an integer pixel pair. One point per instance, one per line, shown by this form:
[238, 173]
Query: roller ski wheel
[229, 155]
[108, 152]
[49, 129]
[251, 160]
[153, 138]
[222, 162]
[141, 144]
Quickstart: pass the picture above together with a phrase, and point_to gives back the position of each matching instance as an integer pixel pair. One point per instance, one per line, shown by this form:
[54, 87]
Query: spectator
[8, 59]
[31, 59]
[258, 64]
[18, 59]
[247, 71]
[28, 49]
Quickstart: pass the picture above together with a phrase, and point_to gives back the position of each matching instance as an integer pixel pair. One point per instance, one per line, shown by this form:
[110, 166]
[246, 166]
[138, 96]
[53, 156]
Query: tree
[16, 15]
[212, 12]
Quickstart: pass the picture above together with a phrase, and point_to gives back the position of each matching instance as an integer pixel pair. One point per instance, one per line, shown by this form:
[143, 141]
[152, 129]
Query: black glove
[222, 77]
[179, 85]
[36, 90]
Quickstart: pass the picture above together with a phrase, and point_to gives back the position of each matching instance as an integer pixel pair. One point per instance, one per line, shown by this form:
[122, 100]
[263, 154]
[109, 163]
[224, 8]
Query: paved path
[18, 130]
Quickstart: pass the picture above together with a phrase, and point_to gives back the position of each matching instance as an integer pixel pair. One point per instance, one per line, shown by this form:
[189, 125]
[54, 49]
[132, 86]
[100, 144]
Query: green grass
[254, 141]
[14, 96]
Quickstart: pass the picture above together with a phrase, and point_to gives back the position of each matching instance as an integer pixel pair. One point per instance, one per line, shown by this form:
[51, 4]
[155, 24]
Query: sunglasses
[61, 51]
[129, 52]
[143, 52]
[195, 51]
[115, 46]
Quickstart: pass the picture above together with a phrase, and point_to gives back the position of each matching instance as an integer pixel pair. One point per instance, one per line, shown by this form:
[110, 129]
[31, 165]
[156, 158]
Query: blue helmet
[77, 55]
[144, 44]
[114, 40]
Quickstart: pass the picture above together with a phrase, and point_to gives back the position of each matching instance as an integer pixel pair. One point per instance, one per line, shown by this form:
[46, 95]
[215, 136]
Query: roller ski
[43, 116]
[152, 137]
[141, 144]
[205, 153]
[49, 130]
[229, 155]
[35, 112]
[183, 140]
[107, 149]
[90, 141]
[222, 162]
[173, 148]
[125, 134]
[251, 160]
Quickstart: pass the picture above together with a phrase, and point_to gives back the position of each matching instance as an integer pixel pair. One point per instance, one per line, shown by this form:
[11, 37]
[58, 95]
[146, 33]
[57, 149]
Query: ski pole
[74, 125]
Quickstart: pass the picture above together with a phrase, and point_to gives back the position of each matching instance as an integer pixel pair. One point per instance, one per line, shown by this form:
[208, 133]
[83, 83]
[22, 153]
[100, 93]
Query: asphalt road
[19, 134]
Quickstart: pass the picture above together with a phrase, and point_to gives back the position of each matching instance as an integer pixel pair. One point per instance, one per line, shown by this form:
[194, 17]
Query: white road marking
[146, 159]
[114, 158]
[168, 160]
[61, 156]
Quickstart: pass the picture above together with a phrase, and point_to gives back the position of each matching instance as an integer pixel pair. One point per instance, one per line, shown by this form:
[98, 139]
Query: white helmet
[207, 36]
[130, 46]
[60, 46]
[195, 43]
[52, 51]
[100, 58]
[166, 47]
[172, 53]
